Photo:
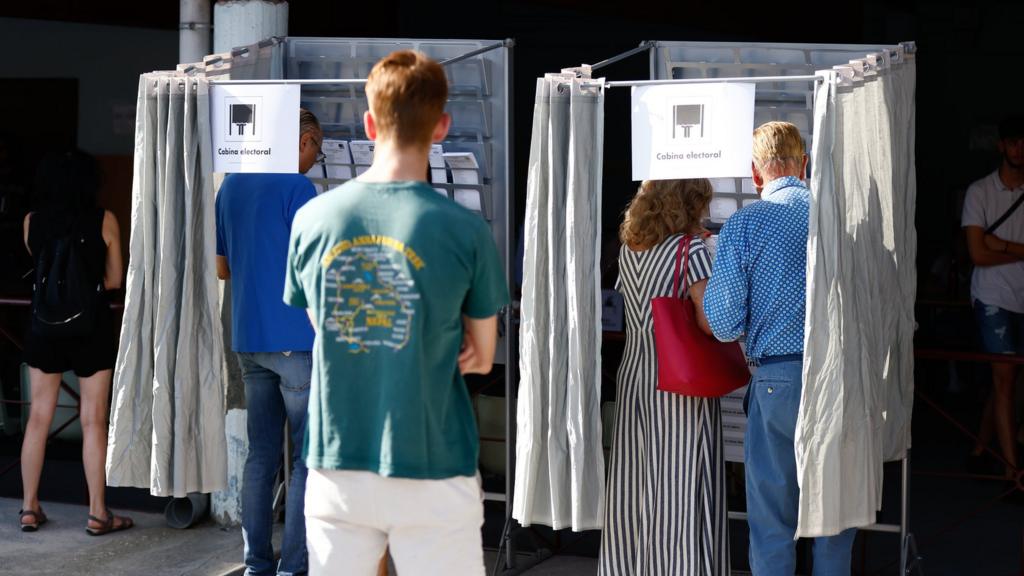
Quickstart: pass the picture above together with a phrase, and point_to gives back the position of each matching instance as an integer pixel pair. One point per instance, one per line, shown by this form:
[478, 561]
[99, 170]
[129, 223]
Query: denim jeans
[1002, 331]
[276, 390]
[773, 401]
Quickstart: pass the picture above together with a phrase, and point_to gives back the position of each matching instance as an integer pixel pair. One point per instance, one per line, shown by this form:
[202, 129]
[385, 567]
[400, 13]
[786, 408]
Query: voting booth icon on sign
[244, 122]
[688, 121]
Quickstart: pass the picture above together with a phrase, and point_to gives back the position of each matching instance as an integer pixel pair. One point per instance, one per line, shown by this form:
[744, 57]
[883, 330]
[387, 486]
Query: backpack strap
[1005, 215]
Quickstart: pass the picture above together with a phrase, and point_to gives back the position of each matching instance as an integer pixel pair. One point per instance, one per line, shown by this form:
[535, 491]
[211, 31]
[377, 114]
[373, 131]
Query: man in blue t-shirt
[273, 343]
[403, 287]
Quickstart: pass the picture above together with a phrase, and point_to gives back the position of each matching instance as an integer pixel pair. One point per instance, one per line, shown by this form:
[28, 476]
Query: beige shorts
[430, 527]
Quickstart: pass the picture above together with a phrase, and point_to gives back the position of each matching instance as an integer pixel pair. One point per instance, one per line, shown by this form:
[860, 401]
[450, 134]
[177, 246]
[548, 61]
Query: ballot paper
[722, 208]
[362, 154]
[438, 175]
[315, 174]
[734, 424]
[338, 158]
[465, 170]
[711, 243]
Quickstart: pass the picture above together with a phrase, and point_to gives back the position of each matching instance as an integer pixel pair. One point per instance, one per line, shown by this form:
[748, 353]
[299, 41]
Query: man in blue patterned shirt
[758, 289]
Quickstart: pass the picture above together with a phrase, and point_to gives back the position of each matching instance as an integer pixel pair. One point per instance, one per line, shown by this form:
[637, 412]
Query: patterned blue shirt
[758, 282]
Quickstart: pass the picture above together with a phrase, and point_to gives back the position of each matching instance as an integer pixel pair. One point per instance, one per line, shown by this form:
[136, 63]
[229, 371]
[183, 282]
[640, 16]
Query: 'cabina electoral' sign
[255, 127]
[692, 130]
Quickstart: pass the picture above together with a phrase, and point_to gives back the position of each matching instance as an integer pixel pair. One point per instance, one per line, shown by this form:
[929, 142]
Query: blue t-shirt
[254, 221]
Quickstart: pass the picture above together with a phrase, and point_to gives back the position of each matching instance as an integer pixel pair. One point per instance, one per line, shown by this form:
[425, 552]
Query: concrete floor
[62, 546]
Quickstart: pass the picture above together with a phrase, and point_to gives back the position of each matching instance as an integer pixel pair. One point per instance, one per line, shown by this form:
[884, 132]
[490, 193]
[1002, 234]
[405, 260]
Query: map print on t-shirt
[370, 295]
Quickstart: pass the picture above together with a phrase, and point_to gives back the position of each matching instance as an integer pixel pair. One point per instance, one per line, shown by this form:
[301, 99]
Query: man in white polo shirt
[993, 220]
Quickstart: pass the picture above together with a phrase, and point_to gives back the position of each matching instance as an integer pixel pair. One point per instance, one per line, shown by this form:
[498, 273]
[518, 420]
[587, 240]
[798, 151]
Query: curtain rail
[316, 81]
[623, 83]
[644, 46]
[504, 43]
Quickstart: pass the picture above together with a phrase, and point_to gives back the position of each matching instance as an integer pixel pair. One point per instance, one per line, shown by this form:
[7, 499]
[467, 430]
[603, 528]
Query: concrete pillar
[244, 22]
[226, 505]
[238, 23]
[193, 30]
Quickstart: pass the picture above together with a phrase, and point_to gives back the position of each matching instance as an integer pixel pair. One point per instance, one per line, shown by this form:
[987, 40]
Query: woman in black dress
[65, 199]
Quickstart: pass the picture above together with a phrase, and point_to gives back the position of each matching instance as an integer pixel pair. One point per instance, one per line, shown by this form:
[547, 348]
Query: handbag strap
[1005, 215]
[682, 253]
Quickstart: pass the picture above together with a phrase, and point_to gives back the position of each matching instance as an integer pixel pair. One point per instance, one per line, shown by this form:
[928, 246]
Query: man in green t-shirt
[403, 287]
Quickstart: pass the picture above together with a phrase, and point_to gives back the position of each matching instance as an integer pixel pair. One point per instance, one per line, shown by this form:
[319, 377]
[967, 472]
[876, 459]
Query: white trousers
[431, 527]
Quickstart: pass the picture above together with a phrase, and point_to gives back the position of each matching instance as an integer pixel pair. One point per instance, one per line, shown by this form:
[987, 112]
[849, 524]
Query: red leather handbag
[690, 362]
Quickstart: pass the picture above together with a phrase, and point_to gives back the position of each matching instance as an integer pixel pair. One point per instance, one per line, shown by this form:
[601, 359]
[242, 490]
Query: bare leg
[45, 388]
[94, 412]
[1003, 376]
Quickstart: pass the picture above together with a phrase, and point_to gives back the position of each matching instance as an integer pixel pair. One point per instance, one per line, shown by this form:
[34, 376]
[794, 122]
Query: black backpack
[66, 296]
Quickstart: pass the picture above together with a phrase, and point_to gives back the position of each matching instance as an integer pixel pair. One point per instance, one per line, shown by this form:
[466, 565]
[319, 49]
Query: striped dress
[665, 511]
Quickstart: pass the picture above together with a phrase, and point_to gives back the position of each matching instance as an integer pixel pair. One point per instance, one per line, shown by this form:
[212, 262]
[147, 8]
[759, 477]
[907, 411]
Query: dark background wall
[970, 55]
[968, 72]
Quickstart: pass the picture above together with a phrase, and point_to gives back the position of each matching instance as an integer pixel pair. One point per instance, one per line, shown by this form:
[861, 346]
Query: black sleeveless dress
[84, 355]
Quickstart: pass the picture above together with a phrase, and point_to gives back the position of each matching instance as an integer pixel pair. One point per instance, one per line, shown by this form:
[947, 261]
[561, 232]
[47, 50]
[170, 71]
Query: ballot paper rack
[478, 103]
[455, 175]
[785, 100]
[472, 166]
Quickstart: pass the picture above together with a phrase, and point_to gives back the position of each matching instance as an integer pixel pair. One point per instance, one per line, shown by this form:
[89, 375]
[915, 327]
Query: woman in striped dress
[665, 512]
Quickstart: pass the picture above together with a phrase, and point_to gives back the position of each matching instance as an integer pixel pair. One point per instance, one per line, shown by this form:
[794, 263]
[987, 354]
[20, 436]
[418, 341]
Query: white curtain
[559, 476]
[858, 371]
[167, 423]
[902, 79]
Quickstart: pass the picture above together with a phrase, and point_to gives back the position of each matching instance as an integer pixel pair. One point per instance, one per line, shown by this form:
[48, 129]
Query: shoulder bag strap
[1005, 215]
[684, 248]
[686, 265]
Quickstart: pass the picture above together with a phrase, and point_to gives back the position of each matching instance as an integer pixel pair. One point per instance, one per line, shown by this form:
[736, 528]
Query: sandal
[107, 525]
[38, 519]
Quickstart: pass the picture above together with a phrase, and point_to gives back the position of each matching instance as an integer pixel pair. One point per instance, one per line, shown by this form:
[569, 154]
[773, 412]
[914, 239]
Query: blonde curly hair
[662, 208]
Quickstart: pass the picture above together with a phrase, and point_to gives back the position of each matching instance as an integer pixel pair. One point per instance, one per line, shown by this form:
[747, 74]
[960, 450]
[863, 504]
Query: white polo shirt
[987, 199]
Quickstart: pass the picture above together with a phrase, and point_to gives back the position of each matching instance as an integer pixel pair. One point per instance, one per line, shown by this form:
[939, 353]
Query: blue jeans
[276, 389]
[1002, 331]
[773, 401]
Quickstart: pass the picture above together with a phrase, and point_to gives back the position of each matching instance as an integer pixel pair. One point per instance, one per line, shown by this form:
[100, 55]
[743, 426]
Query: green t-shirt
[387, 270]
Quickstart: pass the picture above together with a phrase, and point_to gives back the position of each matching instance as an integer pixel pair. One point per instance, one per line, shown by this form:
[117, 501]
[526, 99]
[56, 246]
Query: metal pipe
[472, 53]
[890, 528]
[310, 82]
[904, 511]
[193, 30]
[645, 45]
[511, 330]
[806, 78]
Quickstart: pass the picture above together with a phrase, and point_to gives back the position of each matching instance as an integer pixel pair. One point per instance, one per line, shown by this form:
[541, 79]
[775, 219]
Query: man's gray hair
[308, 122]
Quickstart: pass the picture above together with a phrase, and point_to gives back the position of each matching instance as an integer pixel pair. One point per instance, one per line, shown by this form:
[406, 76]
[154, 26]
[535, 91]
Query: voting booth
[236, 112]
[854, 106]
